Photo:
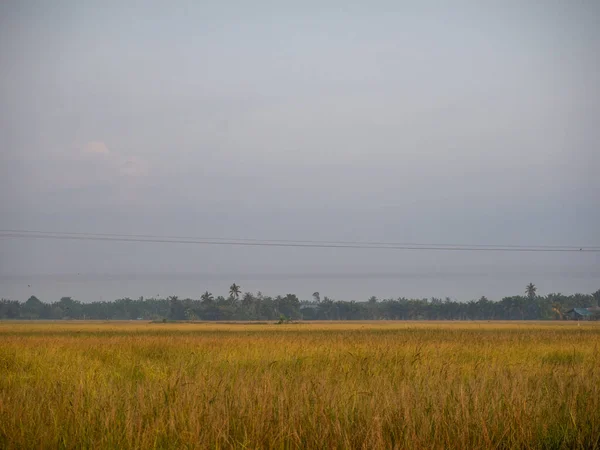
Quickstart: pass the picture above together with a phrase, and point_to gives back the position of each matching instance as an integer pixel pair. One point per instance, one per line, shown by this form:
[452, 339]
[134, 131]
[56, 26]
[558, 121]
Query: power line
[295, 241]
[207, 276]
[280, 243]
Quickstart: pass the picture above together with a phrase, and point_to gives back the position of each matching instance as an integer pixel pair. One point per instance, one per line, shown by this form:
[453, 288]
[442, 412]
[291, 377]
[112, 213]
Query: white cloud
[117, 163]
[96, 148]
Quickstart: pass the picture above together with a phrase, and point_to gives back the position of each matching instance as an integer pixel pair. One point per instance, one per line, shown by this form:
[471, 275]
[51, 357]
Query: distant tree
[596, 296]
[558, 310]
[372, 309]
[247, 300]
[316, 296]
[207, 298]
[289, 306]
[235, 291]
[485, 309]
[248, 303]
[176, 308]
[190, 314]
[327, 309]
[528, 306]
[530, 291]
[9, 309]
[72, 309]
[513, 307]
[33, 308]
[56, 312]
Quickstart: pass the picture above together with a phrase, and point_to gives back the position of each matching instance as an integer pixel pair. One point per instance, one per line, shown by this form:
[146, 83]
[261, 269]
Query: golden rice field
[311, 385]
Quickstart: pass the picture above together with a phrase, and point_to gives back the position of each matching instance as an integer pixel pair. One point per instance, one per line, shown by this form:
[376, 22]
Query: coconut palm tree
[234, 291]
[247, 300]
[530, 291]
[207, 297]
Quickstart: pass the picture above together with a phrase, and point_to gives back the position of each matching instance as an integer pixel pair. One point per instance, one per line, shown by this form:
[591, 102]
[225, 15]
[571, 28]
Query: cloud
[117, 163]
[96, 148]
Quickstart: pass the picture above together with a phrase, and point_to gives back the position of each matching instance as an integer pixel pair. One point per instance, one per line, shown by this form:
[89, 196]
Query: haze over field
[468, 124]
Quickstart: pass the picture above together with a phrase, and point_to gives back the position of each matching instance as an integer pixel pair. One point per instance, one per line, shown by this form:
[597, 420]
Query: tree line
[249, 306]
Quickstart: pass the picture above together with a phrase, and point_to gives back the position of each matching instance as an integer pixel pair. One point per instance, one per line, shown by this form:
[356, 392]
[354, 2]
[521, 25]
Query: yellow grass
[309, 385]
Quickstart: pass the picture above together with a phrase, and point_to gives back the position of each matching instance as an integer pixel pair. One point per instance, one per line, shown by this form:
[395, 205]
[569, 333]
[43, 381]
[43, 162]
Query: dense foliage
[249, 306]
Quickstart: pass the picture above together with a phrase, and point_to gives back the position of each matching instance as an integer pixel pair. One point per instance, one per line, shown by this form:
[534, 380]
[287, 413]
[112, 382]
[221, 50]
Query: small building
[579, 314]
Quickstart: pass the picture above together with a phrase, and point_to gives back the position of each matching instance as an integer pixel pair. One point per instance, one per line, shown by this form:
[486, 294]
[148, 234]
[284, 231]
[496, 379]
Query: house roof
[580, 311]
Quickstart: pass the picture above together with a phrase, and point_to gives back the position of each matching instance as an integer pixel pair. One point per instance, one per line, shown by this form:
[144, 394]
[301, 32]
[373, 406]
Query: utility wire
[290, 241]
[280, 243]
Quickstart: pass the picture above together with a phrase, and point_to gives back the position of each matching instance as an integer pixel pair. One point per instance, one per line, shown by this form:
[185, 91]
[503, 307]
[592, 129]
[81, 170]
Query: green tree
[176, 308]
[248, 309]
[530, 291]
[289, 306]
[33, 308]
[9, 309]
[72, 309]
[596, 296]
[235, 291]
[207, 298]
[558, 310]
[247, 300]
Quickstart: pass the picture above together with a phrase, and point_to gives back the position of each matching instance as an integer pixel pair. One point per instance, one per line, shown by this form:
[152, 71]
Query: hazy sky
[371, 121]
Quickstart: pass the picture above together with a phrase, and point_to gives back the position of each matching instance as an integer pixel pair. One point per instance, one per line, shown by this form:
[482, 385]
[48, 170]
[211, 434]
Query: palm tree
[207, 297]
[234, 291]
[247, 299]
[530, 291]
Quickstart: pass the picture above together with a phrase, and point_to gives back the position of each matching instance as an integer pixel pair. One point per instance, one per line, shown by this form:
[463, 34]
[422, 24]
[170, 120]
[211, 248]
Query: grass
[309, 385]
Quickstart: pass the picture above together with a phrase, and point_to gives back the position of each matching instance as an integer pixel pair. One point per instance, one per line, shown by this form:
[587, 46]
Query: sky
[356, 121]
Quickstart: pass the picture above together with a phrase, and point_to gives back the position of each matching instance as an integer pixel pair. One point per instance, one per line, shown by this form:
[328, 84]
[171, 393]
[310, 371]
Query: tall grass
[361, 385]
